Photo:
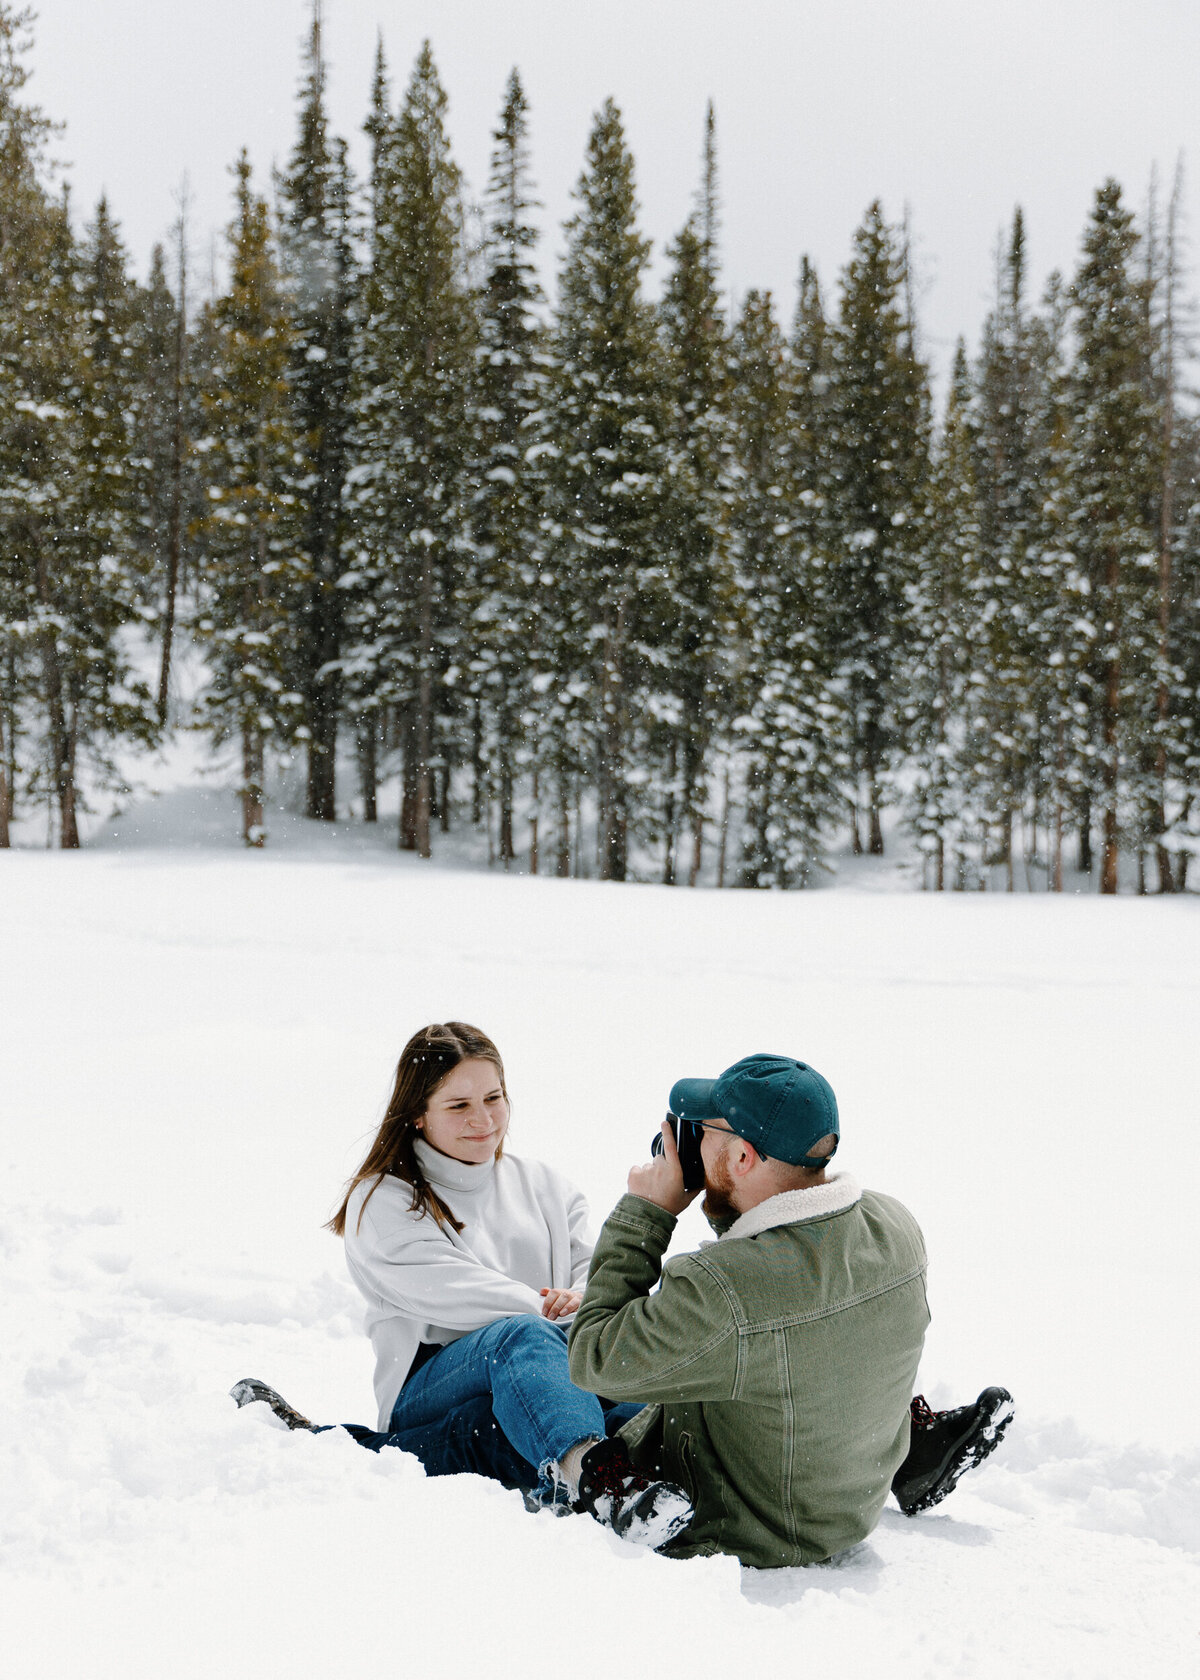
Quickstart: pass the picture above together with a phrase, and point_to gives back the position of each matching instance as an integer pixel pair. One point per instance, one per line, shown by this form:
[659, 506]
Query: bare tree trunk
[613, 815]
[875, 836]
[507, 850]
[408, 793]
[939, 865]
[4, 794]
[669, 819]
[533, 827]
[253, 832]
[477, 764]
[1111, 840]
[697, 848]
[562, 857]
[722, 845]
[424, 730]
[10, 718]
[368, 764]
[1085, 836]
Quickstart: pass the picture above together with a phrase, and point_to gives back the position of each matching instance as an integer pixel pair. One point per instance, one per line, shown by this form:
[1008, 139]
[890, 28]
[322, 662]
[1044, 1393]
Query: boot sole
[249, 1389]
[993, 1414]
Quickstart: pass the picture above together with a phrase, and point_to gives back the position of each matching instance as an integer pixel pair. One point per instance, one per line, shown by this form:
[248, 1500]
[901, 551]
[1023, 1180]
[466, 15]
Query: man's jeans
[497, 1403]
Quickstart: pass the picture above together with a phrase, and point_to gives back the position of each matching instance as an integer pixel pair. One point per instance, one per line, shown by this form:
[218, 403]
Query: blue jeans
[497, 1402]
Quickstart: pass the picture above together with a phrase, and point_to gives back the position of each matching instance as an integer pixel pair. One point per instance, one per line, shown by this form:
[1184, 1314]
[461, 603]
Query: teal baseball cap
[783, 1107]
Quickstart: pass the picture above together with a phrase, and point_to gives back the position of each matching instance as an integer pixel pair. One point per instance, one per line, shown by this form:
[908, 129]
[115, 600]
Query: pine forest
[679, 589]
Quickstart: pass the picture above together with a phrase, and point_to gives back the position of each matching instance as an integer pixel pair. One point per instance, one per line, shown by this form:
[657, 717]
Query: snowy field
[196, 1047]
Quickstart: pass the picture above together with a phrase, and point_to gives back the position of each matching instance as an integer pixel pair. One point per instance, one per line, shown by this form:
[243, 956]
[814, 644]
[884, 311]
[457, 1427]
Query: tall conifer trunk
[368, 765]
[4, 839]
[424, 720]
[252, 784]
[1111, 763]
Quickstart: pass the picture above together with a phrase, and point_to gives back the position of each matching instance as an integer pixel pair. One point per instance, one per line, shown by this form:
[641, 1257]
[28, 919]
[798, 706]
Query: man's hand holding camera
[660, 1180]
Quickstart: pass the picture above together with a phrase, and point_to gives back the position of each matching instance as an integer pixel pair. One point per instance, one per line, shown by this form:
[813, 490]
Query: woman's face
[466, 1116]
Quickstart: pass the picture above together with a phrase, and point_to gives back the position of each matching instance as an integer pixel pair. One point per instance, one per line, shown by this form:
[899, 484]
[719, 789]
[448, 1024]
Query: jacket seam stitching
[830, 1312]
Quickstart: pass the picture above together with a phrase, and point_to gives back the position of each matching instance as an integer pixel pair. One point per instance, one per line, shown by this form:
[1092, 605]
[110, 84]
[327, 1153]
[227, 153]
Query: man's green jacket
[776, 1364]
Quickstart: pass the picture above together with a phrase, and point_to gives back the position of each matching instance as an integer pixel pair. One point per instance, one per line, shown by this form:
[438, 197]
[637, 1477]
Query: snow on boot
[250, 1389]
[945, 1445]
[636, 1508]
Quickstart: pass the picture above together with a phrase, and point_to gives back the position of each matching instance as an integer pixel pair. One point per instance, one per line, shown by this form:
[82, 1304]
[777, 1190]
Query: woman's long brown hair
[424, 1062]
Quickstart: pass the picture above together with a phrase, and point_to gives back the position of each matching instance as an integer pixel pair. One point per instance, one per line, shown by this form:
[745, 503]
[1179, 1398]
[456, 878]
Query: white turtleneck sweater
[524, 1229]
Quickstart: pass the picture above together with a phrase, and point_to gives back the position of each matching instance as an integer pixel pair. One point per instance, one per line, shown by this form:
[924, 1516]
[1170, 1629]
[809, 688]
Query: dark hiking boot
[636, 1508]
[945, 1445]
[250, 1389]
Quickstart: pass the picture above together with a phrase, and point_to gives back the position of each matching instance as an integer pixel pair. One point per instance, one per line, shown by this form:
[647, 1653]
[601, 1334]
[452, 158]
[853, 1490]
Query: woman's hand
[560, 1303]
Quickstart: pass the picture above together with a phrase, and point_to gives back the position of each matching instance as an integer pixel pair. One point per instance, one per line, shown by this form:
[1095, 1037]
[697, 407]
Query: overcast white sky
[959, 108]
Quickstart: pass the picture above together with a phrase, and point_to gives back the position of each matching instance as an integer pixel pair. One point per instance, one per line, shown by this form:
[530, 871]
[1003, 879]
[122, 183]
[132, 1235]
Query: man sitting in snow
[776, 1365]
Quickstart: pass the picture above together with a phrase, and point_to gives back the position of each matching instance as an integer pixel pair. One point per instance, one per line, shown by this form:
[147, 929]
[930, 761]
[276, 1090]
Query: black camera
[687, 1135]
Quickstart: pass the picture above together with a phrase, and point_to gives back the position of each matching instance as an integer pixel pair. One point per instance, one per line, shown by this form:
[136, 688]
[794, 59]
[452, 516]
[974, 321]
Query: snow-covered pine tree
[1003, 735]
[785, 705]
[506, 602]
[941, 802]
[67, 510]
[28, 228]
[608, 491]
[1113, 478]
[1174, 721]
[318, 270]
[252, 569]
[406, 490]
[688, 709]
[1182, 839]
[879, 439]
[1055, 593]
[159, 465]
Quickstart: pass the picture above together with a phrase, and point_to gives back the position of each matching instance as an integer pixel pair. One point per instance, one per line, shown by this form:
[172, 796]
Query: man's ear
[743, 1158]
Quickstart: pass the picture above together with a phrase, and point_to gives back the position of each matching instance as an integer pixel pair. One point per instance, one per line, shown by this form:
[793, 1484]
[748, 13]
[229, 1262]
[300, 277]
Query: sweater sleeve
[417, 1269]
[582, 1246]
[678, 1343]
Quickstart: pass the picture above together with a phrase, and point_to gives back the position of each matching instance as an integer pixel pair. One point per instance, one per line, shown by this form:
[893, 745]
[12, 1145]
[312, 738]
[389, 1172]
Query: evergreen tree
[609, 426]
[253, 573]
[689, 708]
[65, 583]
[785, 703]
[318, 272]
[28, 229]
[507, 630]
[1005, 742]
[407, 490]
[1112, 476]
[164, 422]
[940, 803]
[879, 445]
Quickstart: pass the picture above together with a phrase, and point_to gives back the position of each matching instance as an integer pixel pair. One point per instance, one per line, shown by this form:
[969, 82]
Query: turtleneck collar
[445, 1173]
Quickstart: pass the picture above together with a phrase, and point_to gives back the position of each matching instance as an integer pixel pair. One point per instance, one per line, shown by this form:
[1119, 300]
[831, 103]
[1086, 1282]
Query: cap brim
[692, 1099]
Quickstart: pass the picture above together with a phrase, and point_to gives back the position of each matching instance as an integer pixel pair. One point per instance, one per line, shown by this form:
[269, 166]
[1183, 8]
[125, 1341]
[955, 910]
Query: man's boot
[945, 1445]
[636, 1507]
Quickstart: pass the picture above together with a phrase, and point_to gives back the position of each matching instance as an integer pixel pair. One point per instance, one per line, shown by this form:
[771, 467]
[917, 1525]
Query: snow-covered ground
[196, 1046]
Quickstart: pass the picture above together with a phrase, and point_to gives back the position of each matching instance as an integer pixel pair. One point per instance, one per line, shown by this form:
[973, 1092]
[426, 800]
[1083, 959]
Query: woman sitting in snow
[471, 1262]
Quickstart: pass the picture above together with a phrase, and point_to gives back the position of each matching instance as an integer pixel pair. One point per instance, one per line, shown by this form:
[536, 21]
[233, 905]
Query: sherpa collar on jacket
[838, 1193]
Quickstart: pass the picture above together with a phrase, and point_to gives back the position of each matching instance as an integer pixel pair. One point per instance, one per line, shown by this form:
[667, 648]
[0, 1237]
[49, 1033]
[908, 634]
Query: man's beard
[718, 1189]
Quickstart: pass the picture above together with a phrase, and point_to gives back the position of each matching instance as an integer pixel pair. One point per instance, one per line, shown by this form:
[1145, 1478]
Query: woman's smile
[467, 1114]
